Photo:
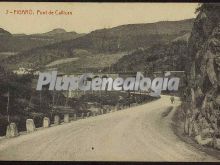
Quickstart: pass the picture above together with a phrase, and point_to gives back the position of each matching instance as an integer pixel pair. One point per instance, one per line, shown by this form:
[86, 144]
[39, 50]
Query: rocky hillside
[203, 94]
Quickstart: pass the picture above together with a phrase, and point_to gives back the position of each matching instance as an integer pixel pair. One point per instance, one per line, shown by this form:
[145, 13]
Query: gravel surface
[139, 133]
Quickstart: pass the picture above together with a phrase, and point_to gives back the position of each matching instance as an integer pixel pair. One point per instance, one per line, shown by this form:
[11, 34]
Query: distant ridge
[21, 42]
[4, 32]
[88, 47]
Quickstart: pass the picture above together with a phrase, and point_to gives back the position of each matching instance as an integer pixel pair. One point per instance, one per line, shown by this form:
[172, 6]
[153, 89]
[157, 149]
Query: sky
[87, 17]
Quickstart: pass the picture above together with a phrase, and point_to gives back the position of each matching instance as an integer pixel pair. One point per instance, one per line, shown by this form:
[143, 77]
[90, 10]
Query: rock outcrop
[203, 114]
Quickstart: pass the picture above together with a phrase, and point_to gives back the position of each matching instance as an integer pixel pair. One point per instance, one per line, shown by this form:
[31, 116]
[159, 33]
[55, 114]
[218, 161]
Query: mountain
[4, 32]
[56, 35]
[4, 35]
[124, 38]
[21, 42]
[160, 57]
[55, 32]
[129, 37]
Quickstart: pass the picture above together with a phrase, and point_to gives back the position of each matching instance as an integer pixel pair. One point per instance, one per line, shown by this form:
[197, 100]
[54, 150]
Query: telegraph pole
[8, 106]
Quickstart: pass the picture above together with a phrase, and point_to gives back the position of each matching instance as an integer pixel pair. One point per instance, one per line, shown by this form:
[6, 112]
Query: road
[136, 134]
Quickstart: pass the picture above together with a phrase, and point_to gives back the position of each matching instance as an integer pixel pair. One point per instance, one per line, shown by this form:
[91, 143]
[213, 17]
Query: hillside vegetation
[125, 38]
[160, 57]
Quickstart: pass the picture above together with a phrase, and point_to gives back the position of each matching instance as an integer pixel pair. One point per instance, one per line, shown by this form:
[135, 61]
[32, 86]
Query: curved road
[135, 134]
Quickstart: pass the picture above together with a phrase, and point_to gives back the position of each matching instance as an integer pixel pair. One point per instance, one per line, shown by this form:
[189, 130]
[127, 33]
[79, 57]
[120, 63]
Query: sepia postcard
[124, 82]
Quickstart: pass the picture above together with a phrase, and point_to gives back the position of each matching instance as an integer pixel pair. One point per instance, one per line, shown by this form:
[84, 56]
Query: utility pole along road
[135, 134]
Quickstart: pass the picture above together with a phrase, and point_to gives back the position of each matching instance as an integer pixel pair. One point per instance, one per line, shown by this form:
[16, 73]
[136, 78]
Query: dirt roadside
[177, 127]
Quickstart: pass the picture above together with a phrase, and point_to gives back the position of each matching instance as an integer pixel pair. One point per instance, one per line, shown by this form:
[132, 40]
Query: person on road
[172, 99]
